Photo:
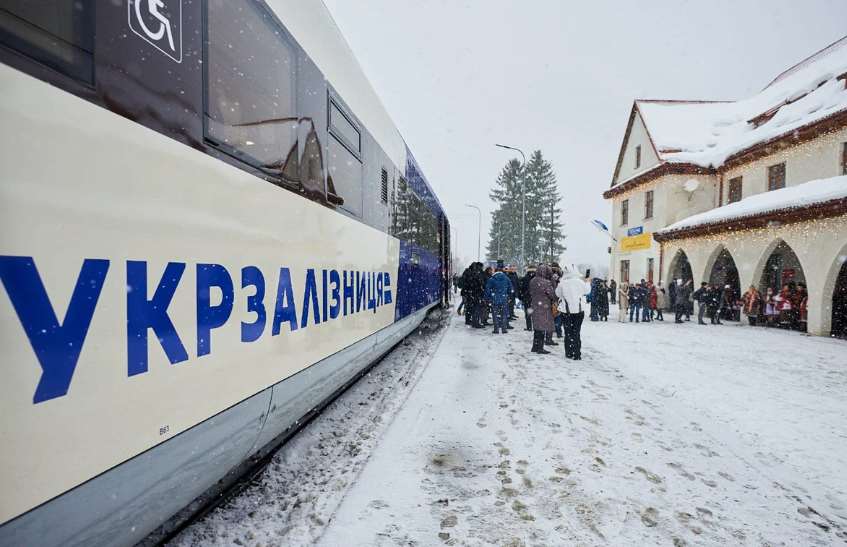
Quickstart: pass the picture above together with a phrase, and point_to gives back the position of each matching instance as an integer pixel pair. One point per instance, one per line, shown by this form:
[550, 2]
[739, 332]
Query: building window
[776, 176]
[650, 263]
[734, 190]
[625, 271]
[625, 212]
[384, 186]
[638, 156]
[59, 34]
[648, 204]
[844, 159]
[250, 87]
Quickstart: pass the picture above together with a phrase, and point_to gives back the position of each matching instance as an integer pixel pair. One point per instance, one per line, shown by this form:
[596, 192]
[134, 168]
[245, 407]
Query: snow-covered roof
[794, 197]
[706, 133]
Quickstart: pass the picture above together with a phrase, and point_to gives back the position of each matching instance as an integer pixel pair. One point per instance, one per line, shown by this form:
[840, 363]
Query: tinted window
[57, 33]
[251, 67]
[413, 220]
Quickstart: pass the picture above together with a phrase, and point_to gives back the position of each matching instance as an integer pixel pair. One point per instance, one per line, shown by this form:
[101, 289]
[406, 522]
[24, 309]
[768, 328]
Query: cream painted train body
[209, 227]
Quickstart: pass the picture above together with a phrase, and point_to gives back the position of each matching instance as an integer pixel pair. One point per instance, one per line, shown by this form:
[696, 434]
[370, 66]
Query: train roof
[312, 25]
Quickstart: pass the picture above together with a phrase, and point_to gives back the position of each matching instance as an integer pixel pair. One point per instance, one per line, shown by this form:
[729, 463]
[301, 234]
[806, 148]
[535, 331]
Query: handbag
[555, 309]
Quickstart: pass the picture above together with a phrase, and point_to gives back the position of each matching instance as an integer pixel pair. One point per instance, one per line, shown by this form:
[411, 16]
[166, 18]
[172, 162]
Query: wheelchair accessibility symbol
[159, 23]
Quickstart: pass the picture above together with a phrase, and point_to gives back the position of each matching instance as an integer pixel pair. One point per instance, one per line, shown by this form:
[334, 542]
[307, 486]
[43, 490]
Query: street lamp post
[523, 202]
[478, 231]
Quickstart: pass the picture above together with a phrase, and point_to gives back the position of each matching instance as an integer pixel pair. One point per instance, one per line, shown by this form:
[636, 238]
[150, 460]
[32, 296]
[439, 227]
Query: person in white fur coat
[572, 291]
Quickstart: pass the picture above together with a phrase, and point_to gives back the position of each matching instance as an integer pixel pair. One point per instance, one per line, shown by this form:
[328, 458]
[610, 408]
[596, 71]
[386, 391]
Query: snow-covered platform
[663, 434]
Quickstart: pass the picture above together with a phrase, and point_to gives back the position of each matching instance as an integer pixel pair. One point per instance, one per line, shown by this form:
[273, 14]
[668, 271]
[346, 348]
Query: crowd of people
[553, 298]
[645, 302]
[787, 308]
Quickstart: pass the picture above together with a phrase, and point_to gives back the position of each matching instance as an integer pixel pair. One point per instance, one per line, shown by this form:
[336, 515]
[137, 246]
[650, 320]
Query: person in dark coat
[645, 301]
[465, 305]
[474, 287]
[603, 301]
[701, 297]
[498, 291]
[486, 305]
[594, 296]
[672, 294]
[558, 319]
[613, 292]
[542, 297]
[637, 296]
[683, 293]
[715, 297]
[513, 277]
[526, 299]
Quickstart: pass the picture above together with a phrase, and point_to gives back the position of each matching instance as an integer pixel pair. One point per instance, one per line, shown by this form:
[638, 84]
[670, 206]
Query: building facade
[744, 193]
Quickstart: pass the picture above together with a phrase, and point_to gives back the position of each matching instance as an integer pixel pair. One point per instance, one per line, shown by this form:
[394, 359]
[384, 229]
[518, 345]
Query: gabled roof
[707, 134]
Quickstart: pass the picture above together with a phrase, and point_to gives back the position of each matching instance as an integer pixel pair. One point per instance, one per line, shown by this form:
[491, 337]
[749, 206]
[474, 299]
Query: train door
[446, 265]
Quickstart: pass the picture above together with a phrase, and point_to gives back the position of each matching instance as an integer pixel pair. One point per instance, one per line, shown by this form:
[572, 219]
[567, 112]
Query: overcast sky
[560, 76]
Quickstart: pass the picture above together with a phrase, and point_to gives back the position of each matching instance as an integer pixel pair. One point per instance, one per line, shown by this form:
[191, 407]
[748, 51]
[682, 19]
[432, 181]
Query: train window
[250, 87]
[343, 129]
[56, 33]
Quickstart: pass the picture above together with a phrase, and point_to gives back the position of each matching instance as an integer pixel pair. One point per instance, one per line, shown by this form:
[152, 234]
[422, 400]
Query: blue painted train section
[419, 279]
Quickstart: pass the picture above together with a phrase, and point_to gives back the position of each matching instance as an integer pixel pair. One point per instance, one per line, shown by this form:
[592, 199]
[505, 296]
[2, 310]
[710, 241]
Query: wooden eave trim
[786, 140]
[786, 215]
[647, 130]
[795, 137]
[623, 144]
[656, 172]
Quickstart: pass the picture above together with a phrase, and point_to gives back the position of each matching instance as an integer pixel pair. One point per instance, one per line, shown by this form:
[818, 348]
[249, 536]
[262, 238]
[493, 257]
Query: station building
[741, 193]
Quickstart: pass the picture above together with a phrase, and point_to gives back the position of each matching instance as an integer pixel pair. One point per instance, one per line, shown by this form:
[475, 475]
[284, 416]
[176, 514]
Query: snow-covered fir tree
[544, 240]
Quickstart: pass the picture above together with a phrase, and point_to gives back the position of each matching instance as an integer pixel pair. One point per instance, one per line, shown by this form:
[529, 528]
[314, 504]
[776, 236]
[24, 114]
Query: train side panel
[171, 307]
[141, 215]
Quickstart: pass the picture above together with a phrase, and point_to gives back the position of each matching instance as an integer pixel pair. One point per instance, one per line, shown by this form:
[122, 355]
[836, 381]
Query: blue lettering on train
[57, 346]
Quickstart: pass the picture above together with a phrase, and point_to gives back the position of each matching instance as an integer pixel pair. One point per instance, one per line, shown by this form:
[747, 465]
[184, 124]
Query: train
[209, 226]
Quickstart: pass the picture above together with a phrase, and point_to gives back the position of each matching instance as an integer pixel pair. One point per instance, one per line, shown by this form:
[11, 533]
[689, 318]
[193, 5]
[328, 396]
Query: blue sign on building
[637, 231]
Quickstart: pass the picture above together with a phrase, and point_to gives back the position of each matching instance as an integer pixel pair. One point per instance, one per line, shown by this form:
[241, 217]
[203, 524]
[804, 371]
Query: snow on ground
[663, 434]
[291, 502]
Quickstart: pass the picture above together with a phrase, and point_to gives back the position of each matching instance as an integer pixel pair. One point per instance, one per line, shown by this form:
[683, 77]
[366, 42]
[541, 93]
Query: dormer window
[638, 156]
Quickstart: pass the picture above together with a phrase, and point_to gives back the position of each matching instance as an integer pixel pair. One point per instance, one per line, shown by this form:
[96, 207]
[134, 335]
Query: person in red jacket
[652, 299]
